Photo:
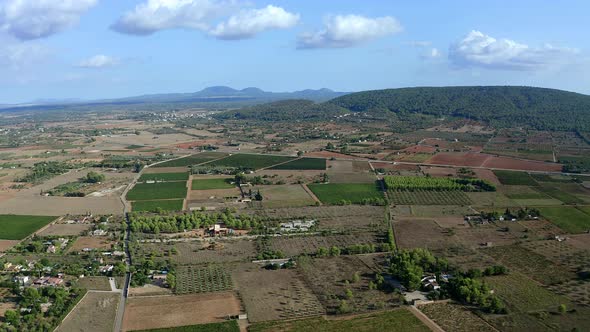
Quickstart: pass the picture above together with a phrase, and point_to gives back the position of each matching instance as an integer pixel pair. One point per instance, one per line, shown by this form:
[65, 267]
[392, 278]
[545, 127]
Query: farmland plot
[198, 252]
[303, 164]
[251, 161]
[297, 245]
[155, 191]
[202, 279]
[163, 177]
[272, 295]
[567, 218]
[195, 159]
[429, 198]
[334, 193]
[95, 312]
[13, 227]
[454, 317]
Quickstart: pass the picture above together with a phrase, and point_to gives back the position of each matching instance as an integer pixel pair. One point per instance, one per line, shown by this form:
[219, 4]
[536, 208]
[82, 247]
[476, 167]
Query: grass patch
[396, 320]
[561, 195]
[183, 176]
[228, 326]
[523, 294]
[13, 227]
[303, 164]
[250, 161]
[152, 206]
[159, 190]
[355, 193]
[568, 218]
[194, 159]
[207, 184]
[515, 178]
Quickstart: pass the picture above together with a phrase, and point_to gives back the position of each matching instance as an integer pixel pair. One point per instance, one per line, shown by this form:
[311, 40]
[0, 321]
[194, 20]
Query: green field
[396, 320]
[250, 161]
[427, 197]
[183, 176]
[568, 218]
[13, 227]
[303, 164]
[515, 178]
[561, 195]
[206, 184]
[355, 193]
[228, 326]
[154, 191]
[194, 159]
[151, 206]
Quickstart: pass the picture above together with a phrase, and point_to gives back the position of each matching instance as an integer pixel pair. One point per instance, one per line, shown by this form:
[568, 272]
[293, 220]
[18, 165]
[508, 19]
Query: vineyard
[202, 279]
[412, 183]
[425, 197]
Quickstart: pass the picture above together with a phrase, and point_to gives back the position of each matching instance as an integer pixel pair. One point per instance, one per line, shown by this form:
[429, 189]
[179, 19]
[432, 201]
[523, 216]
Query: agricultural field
[454, 317]
[561, 252]
[421, 233]
[200, 252]
[202, 279]
[303, 164]
[251, 161]
[277, 196]
[97, 310]
[400, 320]
[228, 326]
[327, 278]
[300, 244]
[429, 198]
[577, 291]
[163, 177]
[515, 178]
[214, 183]
[18, 227]
[58, 229]
[156, 191]
[161, 312]
[563, 196]
[530, 264]
[94, 283]
[570, 219]
[158, 205]
[194, 159]
[272, 295]
[355, 193]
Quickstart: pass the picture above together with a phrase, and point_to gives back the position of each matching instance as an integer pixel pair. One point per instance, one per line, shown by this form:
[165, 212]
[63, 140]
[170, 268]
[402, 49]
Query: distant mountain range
[210, 95]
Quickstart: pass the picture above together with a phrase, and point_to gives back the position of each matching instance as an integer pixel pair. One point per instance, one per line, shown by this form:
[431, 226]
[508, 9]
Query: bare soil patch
[92, 243]
[421, 233]
[7, 244]
[65, 229]
[143, 313]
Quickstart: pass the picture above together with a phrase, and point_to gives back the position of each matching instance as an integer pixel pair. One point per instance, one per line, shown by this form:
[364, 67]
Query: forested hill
[285, 110]
[503, 106]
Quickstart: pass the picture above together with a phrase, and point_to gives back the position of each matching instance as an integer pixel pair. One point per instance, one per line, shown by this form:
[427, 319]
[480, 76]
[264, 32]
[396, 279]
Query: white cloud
[480, 50]
[248, 23]
[433, 53]
[20, 56]
[99, 61]
[348, 31]
[155, 15]
[32, 19]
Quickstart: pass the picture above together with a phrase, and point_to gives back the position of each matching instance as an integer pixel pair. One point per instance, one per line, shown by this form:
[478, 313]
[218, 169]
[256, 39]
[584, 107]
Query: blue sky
[91, 49]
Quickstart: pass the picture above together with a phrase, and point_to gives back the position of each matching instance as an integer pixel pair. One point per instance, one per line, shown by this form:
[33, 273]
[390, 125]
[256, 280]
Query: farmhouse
[22, 280]
[48, 281]
[219, 229]
[297, 225]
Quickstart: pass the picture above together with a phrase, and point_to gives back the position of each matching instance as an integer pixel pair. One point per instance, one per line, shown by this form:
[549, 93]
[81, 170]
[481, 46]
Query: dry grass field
[96, 243]
[65, 229]
[454, 317]
[95, 312]
[297, 245]
[144, 313]
[276, 196]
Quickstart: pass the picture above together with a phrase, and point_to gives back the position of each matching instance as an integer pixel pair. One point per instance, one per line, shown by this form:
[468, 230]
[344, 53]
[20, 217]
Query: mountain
[214, 96]
[501, 106]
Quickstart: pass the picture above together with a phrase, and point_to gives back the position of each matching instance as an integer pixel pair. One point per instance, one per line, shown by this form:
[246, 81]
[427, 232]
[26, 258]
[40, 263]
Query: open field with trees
[202, 279]
[414, 183]
[229, 326]
[13, 227]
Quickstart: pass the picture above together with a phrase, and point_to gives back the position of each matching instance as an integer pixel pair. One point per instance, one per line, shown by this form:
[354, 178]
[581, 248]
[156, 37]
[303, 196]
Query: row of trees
[189, 221]
[412, 183]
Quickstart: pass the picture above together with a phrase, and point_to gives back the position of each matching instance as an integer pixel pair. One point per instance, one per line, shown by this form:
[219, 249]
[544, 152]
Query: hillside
[285, 110]
[502, 106]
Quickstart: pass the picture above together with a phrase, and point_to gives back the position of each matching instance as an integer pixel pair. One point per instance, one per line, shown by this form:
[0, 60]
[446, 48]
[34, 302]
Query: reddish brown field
[486, 160]
[486, 174]
[328, 154]
[190, 145]
[439, 171]
[7, 244]
[420, 149]
[146, 313]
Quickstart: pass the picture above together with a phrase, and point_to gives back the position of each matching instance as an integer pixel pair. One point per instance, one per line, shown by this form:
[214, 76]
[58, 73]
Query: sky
[92, 49]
